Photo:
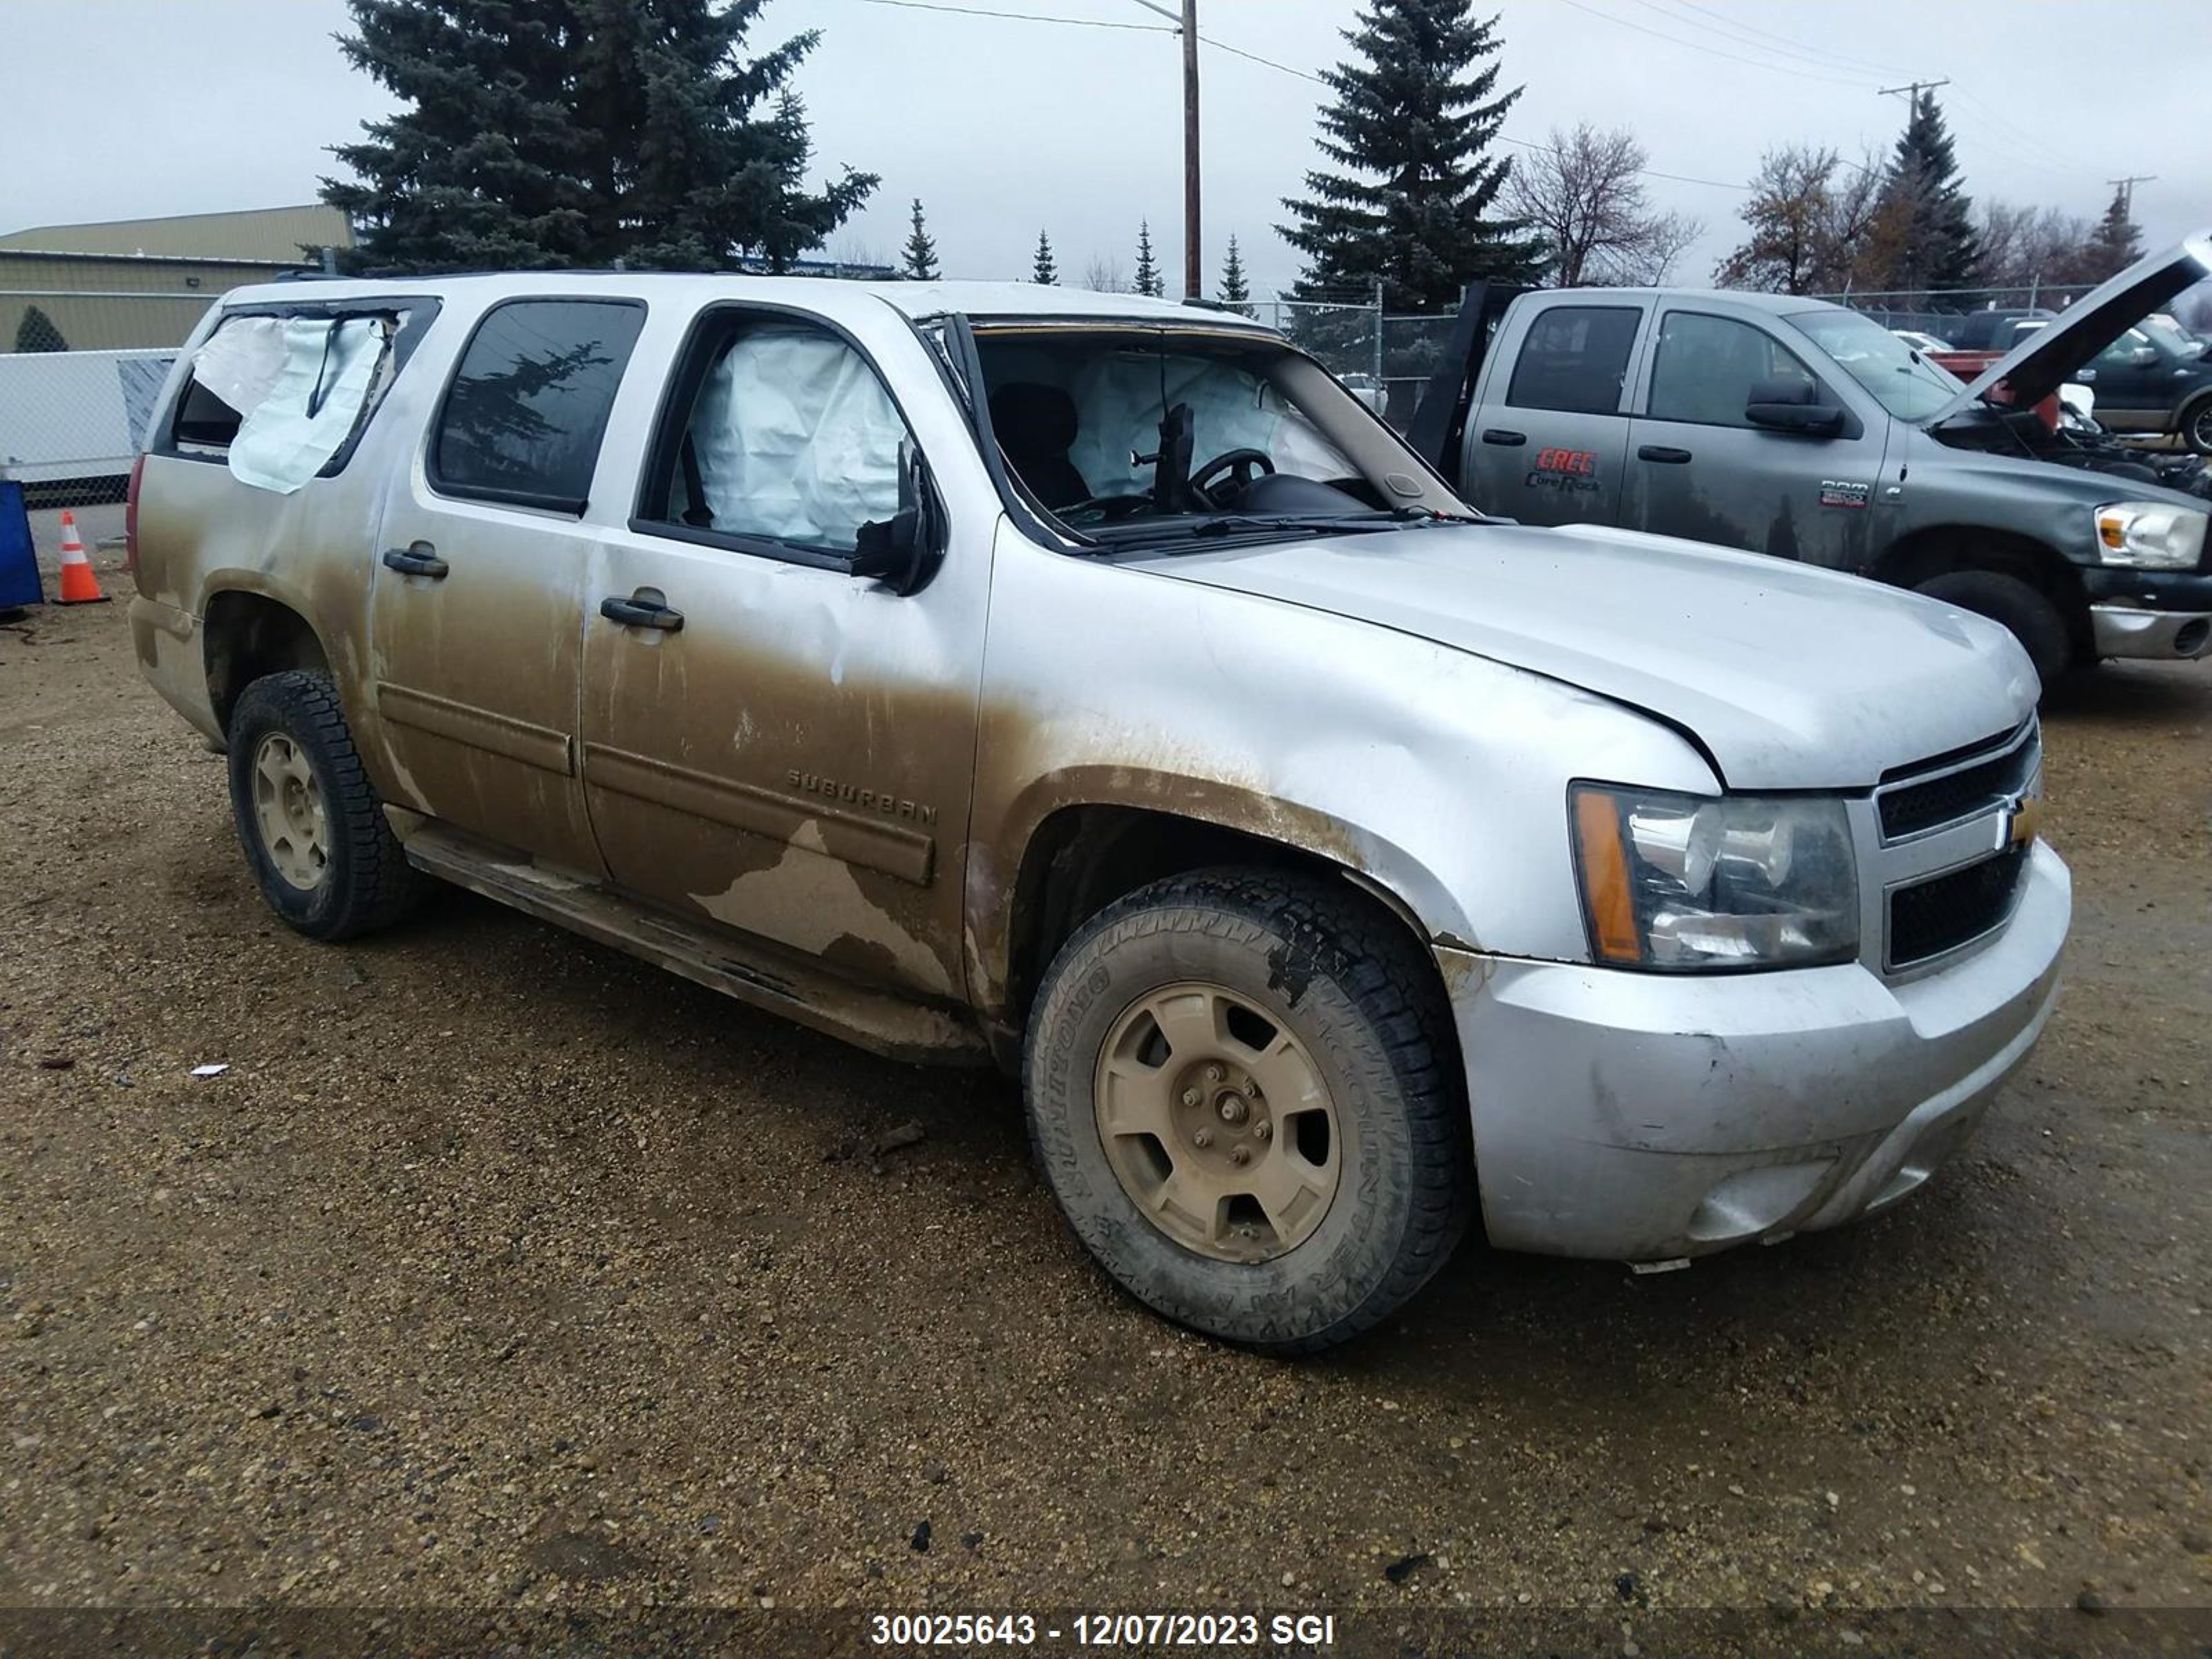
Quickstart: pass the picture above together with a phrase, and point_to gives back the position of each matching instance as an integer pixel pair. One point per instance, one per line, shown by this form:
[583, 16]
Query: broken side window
[276, 398]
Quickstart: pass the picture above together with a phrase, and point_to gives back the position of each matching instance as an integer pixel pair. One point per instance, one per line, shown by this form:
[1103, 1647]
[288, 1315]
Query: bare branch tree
[1584, 196]
[1104, 275]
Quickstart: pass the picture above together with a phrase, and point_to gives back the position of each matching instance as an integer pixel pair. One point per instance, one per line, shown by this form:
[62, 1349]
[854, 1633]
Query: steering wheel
[1241, 469]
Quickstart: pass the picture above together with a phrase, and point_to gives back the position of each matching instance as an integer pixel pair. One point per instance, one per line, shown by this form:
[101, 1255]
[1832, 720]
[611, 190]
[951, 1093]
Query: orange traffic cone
[79, 585]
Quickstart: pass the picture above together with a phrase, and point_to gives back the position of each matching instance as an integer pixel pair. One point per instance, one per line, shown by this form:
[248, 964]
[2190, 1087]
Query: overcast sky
[123, 108]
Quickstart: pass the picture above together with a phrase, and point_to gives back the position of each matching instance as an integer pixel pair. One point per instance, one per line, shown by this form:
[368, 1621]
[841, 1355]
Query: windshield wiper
[1239, 523]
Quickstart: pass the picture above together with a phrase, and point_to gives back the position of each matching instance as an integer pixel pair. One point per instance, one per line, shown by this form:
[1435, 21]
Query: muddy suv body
[1333, 865]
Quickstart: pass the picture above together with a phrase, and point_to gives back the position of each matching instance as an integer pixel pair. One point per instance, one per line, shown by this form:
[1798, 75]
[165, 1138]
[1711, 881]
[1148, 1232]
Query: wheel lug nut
[1263, 1129]
[1203, 1138]
[1213, 1074]
[1190, 1096]
[1239, 1155]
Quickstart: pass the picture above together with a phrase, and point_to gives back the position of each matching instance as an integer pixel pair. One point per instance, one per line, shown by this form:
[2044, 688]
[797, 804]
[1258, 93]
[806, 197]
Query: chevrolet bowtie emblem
[2021, 823]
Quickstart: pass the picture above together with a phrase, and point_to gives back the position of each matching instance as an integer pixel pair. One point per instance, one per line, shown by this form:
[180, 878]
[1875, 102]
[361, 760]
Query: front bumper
[1644, 1117]
[2165, 613]
[2119, 630]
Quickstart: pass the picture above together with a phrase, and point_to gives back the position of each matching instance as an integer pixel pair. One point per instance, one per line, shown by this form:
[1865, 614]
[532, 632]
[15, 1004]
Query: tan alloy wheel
[1217, 1123]
[288, 810]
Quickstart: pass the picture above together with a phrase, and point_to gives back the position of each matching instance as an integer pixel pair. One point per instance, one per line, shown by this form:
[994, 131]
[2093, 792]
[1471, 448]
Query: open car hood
[2035, 369]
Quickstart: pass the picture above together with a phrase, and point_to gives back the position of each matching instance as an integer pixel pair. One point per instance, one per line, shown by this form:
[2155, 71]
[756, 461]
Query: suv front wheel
[314, 830]
[1241, 1089]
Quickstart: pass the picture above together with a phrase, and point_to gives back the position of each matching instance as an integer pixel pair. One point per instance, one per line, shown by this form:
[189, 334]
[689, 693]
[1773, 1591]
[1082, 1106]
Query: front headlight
[1688, 882]
[2150, 535]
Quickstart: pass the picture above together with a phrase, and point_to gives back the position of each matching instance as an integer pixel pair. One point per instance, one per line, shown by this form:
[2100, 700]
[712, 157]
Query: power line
[1239, 51]
[1024, 16]
[1838, 59]
[1286, 68]
[2033, 147]
[1820, 60]
[1715, 52]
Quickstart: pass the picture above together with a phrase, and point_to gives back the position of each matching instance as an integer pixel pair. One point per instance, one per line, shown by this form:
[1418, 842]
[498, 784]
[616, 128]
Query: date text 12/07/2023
[1016, 1631]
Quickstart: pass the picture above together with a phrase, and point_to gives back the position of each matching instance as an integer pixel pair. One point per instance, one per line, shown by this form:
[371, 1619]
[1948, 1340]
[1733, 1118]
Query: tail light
[130, 515]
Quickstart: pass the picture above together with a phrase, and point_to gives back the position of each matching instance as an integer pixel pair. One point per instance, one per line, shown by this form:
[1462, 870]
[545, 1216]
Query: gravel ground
[499, 1270]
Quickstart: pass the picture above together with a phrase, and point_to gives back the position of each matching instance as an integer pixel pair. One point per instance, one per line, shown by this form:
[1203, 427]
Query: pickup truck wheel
[1241, 1091]
[2035, 622]
[2196, 426]
[313, 829]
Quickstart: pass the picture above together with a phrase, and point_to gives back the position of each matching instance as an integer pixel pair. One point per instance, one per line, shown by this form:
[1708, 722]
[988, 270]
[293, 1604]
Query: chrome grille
[1931, 796]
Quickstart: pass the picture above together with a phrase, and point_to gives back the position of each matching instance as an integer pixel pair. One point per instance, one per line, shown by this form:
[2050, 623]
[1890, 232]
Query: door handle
[419, 560]
[646, 608]
[1661, 454]
[1499, 435]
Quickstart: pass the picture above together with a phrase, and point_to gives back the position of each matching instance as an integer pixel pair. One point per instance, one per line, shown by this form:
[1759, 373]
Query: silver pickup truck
[1092, 686]
[1790, 426]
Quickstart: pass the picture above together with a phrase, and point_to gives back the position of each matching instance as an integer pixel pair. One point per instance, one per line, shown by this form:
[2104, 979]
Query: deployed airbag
[1120, 397]
[796, 439]
[242, 360]
[329, 365]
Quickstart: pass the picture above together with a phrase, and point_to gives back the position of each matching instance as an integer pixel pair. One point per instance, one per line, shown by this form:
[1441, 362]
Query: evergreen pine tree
[2114, 245]
[1044, 271]
[536, 134]
[36, 332]
[921, 251]
[1148, 269]
[1412, 129]
[1925, 214]
[1235, 291]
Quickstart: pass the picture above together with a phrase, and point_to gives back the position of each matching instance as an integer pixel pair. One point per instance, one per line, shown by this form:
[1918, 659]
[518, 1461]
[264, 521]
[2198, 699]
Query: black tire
[2034, 620]
[2196, 426]
[365, 882]
[1350, 985]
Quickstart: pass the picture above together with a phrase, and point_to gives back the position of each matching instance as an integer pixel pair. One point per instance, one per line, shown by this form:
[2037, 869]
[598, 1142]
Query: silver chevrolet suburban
[1093, 686]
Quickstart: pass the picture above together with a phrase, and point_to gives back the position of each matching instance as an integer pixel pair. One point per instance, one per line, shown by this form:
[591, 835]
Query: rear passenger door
[1548, 451]
[477, 602]
[1701, 471]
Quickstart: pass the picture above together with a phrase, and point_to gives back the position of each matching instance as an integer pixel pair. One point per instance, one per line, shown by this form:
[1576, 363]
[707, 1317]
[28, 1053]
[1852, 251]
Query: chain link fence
[1943, 311]
[1386, 360]
[85, 340]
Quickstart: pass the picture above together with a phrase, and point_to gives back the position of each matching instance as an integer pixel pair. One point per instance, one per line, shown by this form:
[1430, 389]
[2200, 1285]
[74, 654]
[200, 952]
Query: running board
[752, 970]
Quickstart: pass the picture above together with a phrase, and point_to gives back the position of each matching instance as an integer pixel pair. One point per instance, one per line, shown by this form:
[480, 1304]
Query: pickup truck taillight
[130, 515]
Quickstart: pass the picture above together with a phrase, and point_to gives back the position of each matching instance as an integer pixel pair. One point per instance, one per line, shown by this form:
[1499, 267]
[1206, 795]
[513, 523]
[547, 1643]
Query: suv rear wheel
[2034, 620]
[1241, 1089]
[314, 830]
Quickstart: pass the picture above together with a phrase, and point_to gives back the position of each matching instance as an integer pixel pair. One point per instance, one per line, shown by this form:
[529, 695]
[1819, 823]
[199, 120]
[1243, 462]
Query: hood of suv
[1791, 678]
[2035, 369]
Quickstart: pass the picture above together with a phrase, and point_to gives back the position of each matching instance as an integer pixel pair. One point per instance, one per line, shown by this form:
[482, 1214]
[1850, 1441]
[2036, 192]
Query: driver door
[1699, 470]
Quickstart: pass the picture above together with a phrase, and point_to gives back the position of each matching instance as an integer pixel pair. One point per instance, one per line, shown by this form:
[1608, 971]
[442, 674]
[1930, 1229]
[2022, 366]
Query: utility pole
[2127, 189]
[1192, 281]
[1186, 23]
[1914, 89]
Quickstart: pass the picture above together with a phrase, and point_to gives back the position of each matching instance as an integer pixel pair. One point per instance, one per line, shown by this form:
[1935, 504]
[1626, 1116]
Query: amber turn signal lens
[1605, 877]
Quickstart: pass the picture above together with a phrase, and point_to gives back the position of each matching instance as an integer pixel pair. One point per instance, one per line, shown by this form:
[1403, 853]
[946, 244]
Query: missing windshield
[1135, 435]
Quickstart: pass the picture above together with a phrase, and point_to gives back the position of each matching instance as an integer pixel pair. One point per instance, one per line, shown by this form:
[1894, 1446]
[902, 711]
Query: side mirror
[1782, 403]
[900, 550]
[2143, 356]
